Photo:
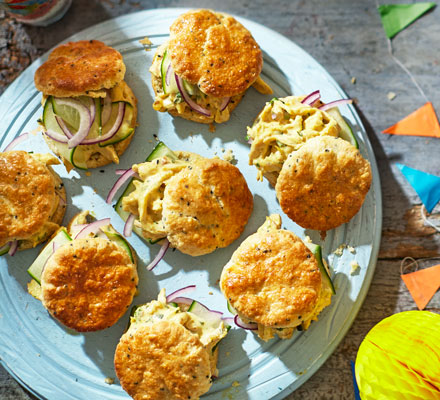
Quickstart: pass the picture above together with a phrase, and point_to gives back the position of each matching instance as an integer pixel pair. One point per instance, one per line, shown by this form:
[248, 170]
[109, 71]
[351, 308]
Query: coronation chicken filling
[209, 333]
[282, 127]
[145, 202]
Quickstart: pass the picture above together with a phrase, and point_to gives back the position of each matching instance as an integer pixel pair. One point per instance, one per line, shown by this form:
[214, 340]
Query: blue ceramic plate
[55, 363]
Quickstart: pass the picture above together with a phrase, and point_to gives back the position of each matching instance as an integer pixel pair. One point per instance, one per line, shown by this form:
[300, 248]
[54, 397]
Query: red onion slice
[106, 109]
[159, 256]
[114, 129]
[224, 103]
[84, 124]
[16, 141]
[55, 247]
[13, 247]
[92, 228]
[56, 136]
[76, 228]
[311, 98]
[193, 105]
[335, 103]
[92, 110]
[228, 321]
[63, 127]
[121, 171]
[168, 74]
[123, 178]
[178, 293]
[182, 300]
[128, 227]
[251, 326]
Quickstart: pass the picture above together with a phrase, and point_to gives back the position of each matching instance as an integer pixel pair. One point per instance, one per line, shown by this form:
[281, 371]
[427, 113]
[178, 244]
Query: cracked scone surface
[206, 206]
[324, 183]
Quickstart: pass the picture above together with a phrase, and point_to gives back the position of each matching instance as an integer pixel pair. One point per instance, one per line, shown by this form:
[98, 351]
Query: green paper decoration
[396, 17]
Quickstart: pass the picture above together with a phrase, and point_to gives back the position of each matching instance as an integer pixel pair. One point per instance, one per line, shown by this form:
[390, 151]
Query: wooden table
[347, 38]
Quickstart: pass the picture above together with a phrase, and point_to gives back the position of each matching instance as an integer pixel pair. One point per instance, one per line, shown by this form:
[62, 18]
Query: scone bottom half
[203, 71]
[275, 283]
[193, 203]
[178, 331]
[86, 275]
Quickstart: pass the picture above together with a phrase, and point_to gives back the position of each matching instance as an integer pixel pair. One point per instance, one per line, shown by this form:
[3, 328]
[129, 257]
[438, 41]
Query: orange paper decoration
[422, 122]
[423, 284]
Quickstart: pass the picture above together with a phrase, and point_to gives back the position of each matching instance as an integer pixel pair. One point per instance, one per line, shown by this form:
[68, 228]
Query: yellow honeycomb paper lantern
[400, 358]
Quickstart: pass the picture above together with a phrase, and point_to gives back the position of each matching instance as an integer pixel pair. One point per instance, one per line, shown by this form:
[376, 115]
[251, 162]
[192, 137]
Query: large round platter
[55, 363]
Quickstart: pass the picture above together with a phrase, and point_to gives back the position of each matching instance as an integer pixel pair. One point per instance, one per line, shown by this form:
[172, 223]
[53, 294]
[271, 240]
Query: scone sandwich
[86, 275]
[202, 72]
[285, 124]
[323, 184]
[170, 349]
[275, 283]
[90, 112]
[192, 203]
[32, 200]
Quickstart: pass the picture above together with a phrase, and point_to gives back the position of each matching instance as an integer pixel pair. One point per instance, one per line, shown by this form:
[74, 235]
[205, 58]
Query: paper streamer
[422, 122]
[426, 185]
[396, 17]
[423, 284]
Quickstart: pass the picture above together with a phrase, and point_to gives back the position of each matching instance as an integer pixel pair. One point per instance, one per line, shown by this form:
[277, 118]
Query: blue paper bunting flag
[426, 185]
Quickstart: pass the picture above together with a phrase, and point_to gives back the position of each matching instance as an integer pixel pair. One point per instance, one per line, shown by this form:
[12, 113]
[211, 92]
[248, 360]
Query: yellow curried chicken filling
[282, 127]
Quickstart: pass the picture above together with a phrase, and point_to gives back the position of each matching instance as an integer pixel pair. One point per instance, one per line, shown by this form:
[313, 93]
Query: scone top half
[169, 351]
[32, 199]
[197, 204]
[204, 69]
[86, 275]
[89, 111]
[274, 281]
[323, 184]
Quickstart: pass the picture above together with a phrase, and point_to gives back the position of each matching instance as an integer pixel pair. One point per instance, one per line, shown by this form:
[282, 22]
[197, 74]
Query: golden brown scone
[32, 198]
[88, 284]
[206, 206]
[214, 51]
[187, 112]
[162, 361]
[272, 279]
[324, 183]
[80, 68]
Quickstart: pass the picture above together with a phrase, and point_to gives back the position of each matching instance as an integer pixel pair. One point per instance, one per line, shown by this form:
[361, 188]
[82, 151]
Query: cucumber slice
[346, 131]
[172, 86]
[159, 151]
[4, 250]
[118, 239]
[230, 308]
[210, 318]
[317, 252]
[37, 266]
[75, 157]
[125, 130]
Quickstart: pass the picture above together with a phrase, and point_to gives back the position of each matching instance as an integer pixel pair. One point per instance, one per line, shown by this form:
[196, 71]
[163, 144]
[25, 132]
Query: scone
[32, 200]
[324, 183]
[168, 352]
[274, 280]
[90, 112]
[198, 204]
[284, 125]
[86, 276]
[202, 72]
